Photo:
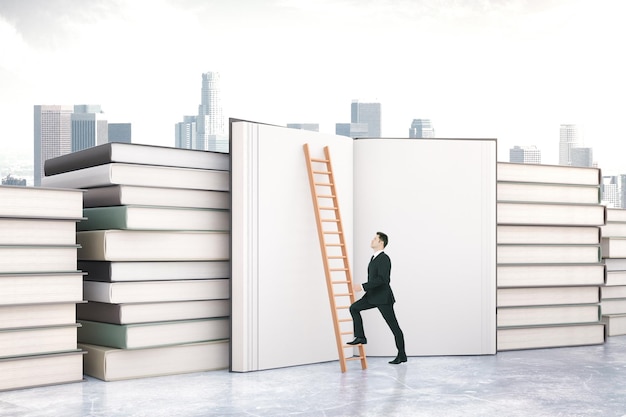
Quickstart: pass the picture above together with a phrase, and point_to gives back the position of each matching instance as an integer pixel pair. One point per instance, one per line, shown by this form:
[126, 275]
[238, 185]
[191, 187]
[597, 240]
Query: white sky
[507, 69]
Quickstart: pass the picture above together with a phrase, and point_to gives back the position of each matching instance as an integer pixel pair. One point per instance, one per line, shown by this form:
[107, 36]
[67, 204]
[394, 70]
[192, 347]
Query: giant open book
[435, 198]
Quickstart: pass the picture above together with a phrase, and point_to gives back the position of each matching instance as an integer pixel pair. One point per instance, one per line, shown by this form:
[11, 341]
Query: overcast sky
[507, 69]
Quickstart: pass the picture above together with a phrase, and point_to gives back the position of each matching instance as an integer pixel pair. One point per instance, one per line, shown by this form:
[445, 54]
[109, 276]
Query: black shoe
[399, 359]
[358, 341]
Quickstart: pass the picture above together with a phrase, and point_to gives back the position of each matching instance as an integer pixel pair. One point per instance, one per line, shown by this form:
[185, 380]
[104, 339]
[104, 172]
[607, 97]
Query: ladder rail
[328, 271]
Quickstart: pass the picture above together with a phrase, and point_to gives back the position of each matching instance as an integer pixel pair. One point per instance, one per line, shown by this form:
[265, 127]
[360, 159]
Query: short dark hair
[384, 238]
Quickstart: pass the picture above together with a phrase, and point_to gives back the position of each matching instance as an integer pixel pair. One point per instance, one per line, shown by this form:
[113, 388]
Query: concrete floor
[579, 381]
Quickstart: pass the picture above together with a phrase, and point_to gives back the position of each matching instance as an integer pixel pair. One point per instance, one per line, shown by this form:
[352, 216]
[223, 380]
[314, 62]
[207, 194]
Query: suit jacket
[377, 288]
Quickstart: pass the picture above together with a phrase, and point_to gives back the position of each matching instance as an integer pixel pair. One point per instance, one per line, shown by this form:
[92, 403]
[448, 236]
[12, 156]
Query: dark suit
[378, 294]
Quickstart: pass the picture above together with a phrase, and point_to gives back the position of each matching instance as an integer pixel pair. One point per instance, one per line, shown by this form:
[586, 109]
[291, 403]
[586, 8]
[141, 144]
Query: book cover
[40, 202]
[141, 175]
[136, 154]
[119, 195]
[370, 200]
[154, 218]
[112, 271]
[153, 245]
[154, 334]
[111, 364]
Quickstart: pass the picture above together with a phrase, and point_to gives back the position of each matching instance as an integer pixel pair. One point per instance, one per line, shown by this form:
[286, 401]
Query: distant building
[570, 136]
[611, 190]
[52, 135]
[210, 123]
[369, 113]
[208, 129]
[89, 127]
[9, 180]
[421, 128]
[525, 155]
[353, 130]
[185, 133]
[581, 157]
[120, 132]
[314, 127]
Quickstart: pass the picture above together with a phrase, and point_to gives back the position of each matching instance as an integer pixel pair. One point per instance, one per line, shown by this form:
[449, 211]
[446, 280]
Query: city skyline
[512, 70]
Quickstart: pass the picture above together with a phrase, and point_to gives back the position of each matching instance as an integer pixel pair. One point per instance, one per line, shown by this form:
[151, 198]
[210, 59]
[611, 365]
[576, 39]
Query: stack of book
[39, 287]
[613, 293]
[550, 267]
[155, 249]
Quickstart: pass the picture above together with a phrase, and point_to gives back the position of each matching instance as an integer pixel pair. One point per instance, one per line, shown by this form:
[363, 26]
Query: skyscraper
[52, 135]
[581, 157]
[368, 112]
[525, 155]
[570, 137]
[89, 127]
[185, 133]
[421, 128]
[314, 127]
[210, 124]
[120, 132]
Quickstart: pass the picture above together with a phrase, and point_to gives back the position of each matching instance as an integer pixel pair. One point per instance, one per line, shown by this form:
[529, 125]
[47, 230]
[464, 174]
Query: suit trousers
[388, 314]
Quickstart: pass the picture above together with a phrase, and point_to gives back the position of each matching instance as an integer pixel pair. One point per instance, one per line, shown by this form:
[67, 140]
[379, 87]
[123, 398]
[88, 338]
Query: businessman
[378, 294]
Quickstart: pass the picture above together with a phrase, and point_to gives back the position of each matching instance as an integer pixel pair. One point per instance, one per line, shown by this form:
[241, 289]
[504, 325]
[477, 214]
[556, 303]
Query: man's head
[379, 242]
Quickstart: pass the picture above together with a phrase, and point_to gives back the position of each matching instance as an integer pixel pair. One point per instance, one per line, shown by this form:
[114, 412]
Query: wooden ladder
[334, 252]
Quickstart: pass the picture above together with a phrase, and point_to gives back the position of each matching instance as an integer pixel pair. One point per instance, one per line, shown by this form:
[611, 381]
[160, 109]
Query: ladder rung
[344, 320]
[336, 257]
[332, 233]
[331, 220]
[325, 196]
[334, 244]
[322, 172]
[338, 269]
[319, 160]
[350, 332]
[340, 282]
[343, 294]
[342, 307]
[354, 358]
[324, 184]
[328, 208]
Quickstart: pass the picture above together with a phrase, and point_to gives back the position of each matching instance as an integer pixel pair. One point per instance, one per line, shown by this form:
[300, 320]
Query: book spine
[98, 155]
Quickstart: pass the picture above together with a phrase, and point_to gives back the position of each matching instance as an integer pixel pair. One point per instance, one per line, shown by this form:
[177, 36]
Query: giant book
[154, 218]
[40, 202]
[136, 154]
[118, 195]
[153, 334]
[152, 245]
[140, 175]
[392, 185]
[112, 364]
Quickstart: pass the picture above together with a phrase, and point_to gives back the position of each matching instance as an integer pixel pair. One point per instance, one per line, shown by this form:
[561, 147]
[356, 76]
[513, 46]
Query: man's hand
[357, 287]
